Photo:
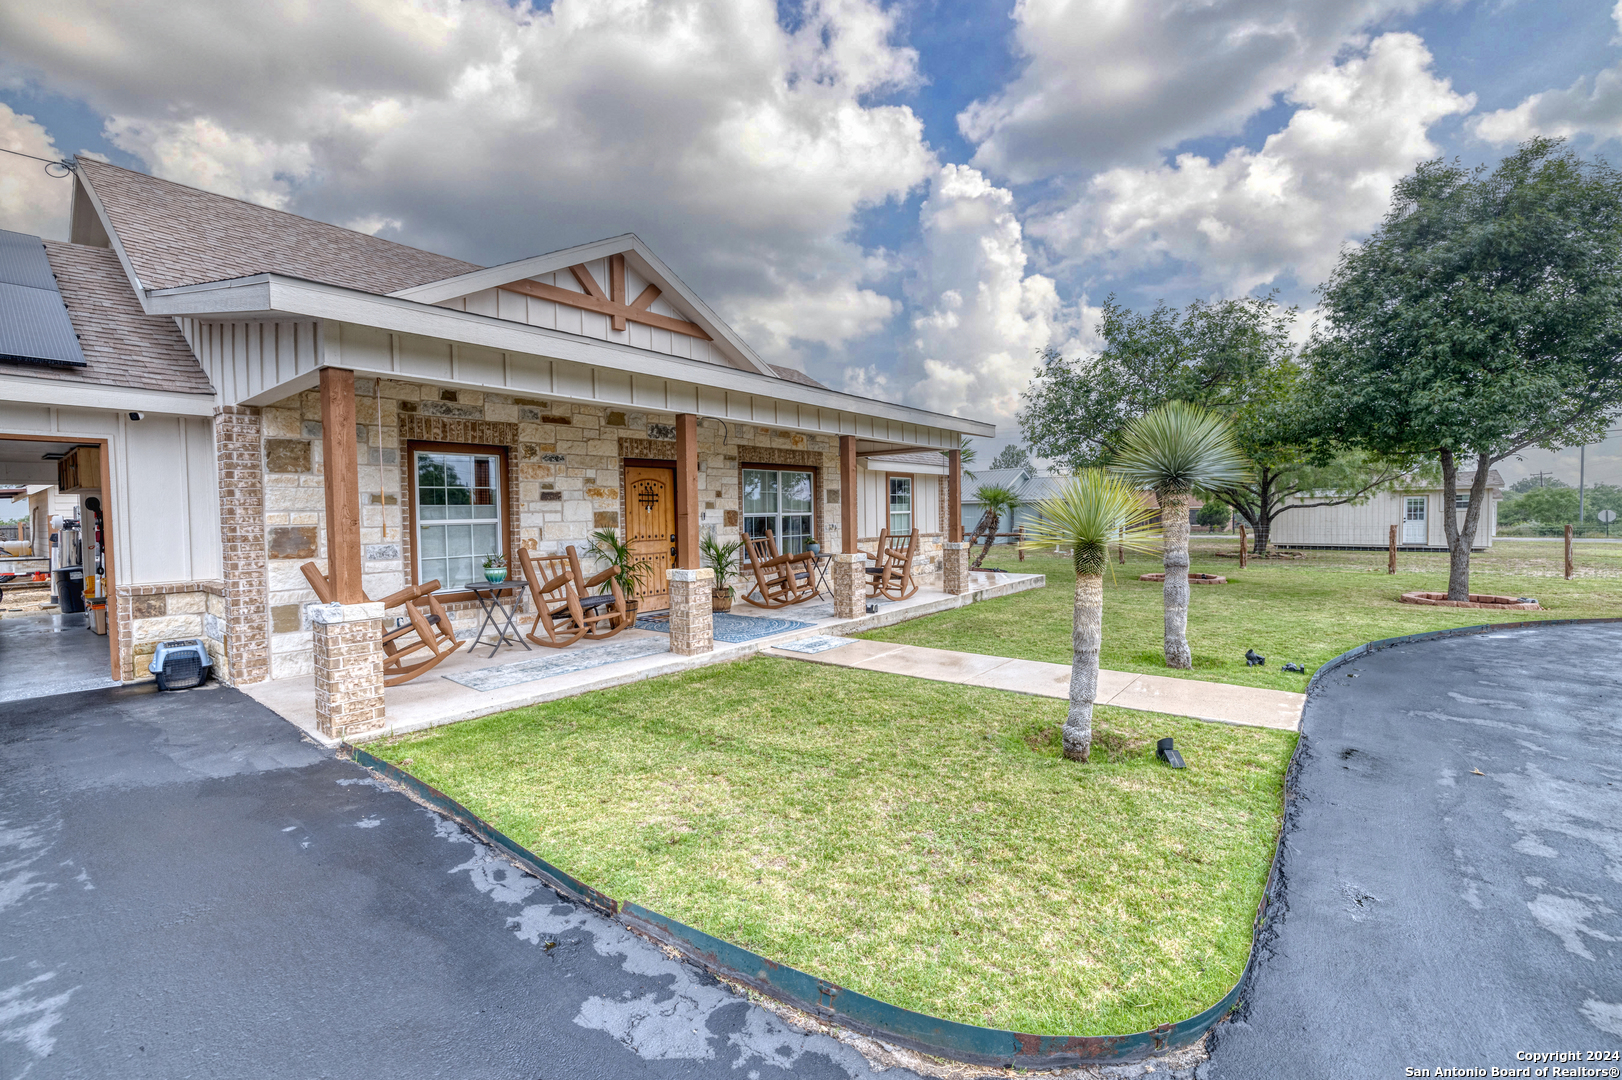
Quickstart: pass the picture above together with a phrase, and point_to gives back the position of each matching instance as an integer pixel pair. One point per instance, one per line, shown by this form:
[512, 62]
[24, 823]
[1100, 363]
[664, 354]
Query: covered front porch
[474, 683]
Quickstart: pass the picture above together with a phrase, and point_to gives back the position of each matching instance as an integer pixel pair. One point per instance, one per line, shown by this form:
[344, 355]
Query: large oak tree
[1484, 317]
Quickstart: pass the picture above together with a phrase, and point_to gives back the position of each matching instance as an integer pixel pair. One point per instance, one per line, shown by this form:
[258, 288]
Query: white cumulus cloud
[1252, 216]
[31, 201]
[1590, 105]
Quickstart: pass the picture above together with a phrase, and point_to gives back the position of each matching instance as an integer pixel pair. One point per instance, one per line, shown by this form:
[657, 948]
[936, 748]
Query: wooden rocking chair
[431, 631]
[780, 580]
[565, 611]
[892, 577]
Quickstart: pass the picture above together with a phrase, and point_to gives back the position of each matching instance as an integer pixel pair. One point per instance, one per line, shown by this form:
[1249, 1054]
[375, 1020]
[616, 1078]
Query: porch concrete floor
[1221, 702]
[433, 699]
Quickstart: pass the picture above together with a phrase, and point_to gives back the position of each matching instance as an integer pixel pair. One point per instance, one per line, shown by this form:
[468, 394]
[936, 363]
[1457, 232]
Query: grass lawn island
[293, 429]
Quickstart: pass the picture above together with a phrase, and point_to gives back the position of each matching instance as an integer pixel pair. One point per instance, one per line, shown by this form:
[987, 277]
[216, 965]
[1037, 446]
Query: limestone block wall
[148, 614]
[565, 479]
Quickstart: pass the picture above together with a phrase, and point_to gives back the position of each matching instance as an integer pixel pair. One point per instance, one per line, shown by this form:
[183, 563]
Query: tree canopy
[1012, 456]
[1483, 317]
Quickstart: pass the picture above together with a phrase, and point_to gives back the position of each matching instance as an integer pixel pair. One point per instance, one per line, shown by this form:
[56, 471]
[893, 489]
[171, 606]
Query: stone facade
[238, 442]
[565, 479]
[348, 668]
[849, 577]
[692, 626]
[148, 614]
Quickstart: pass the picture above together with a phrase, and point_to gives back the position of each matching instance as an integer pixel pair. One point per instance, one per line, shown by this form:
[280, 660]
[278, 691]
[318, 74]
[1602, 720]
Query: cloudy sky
[906, 198]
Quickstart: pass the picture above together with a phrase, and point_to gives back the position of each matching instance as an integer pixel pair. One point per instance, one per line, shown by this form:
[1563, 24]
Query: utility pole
[1582, 461]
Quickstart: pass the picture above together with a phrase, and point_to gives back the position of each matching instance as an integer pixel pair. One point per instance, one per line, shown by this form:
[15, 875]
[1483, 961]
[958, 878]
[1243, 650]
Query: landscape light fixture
[1166, 752]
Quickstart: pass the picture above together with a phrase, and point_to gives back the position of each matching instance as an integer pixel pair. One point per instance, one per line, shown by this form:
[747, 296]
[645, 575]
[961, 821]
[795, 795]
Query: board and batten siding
[159, 489]
[243, 359]
[1368, 524]
[873, 501]
[515, 307]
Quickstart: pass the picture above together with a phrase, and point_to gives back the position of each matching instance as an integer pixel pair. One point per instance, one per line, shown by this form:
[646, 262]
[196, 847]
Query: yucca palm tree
[1175, 449]
[1091, 510]
[997, 500]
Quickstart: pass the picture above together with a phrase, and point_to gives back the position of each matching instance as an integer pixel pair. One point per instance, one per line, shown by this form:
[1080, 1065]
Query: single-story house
[246, 390]
[1416, 509]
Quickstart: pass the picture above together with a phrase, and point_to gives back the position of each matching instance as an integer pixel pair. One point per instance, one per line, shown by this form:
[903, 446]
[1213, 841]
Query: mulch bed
[1193, 579]
[1477, 600]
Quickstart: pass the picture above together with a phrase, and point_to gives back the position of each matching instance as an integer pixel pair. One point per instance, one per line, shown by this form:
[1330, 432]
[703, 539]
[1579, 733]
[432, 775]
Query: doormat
[734, 628]
[820, 643]
[563, 663]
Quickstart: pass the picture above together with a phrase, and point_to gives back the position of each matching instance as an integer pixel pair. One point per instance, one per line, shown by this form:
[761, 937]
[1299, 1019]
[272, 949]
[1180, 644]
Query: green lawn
[921, 842]
[1307, 610]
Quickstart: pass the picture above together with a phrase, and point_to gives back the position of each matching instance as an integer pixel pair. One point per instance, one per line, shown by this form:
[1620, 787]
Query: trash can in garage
[70, 588]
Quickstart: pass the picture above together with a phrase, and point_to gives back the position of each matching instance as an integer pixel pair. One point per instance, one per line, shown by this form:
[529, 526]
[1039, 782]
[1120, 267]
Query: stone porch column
[850, 585]
[240, 455]
[692, 627]
[348, 668]
[955, 568]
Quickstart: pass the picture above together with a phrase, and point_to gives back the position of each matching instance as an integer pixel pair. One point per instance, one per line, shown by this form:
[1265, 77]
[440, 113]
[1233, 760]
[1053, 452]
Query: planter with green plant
[607, 548]
[495, 569]
[723, 559]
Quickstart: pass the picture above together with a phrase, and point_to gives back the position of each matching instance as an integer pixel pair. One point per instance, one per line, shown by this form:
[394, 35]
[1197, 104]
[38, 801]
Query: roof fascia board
[273, 296]
[82, 395]
[642, 259]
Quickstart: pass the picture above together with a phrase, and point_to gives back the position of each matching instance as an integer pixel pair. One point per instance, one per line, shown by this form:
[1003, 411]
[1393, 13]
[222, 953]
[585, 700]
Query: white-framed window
[900, 505]
[781, 500]
[1461, 501]
[456, 497]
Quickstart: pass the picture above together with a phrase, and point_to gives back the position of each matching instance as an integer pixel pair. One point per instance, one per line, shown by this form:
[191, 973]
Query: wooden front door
[650, 507]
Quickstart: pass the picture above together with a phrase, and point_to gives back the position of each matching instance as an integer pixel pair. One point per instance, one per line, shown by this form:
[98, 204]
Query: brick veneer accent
[692, 626]
[850, 585]
[237, 444]
[955, 568]
[348, 668]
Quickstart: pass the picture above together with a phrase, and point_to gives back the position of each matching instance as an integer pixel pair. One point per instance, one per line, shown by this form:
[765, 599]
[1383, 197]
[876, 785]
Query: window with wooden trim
[457, 504]
[782, 500]
[900, 515]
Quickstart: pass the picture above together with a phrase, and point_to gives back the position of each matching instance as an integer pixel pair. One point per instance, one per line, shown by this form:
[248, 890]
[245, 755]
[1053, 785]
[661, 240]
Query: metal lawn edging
[828, 1001]
[1436, 635]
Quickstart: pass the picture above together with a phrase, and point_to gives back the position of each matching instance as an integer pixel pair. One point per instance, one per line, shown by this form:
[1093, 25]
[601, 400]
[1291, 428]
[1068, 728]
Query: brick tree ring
[1193, 579]
[1477, 600]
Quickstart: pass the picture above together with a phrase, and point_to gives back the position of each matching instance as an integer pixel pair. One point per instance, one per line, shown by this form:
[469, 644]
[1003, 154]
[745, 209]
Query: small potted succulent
[495, 569]
[723, 559]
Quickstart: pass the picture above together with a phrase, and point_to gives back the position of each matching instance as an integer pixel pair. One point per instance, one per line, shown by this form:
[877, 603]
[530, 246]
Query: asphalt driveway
[1453, 866]
[190, 889]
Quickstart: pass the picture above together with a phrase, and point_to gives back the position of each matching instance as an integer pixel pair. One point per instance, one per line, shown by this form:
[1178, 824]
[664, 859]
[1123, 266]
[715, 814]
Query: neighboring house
[1416, 511]
[226, 361]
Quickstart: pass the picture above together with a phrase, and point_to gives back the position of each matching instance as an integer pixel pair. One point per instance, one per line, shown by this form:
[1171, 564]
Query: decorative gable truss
[611, 303]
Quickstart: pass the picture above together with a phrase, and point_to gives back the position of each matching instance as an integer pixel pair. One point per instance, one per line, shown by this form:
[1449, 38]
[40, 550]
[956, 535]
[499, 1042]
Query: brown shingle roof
[796, 375]
[123, 345]
[179, 235]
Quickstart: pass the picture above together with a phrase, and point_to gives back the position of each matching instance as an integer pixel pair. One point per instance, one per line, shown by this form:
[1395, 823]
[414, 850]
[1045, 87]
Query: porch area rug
[812, 645]
[733, 629]
[566, 662]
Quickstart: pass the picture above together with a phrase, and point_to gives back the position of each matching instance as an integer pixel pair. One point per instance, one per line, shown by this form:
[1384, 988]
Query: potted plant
[607, 547]
[495, 569]
[723, 559]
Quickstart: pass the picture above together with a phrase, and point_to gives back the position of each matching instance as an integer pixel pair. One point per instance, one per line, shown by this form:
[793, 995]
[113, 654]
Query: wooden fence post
[1244, 549]
[1568, 552]
[1391, 559]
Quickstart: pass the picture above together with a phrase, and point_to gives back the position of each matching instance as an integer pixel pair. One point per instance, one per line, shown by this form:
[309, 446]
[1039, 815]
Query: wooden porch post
[847, 494]
[686, 491]
[340, 463]
[954, 496]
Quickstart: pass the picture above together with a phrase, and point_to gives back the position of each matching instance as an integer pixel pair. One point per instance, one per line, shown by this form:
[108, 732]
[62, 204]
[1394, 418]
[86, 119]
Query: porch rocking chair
[892, 577]
[564, 610]
[431, 631]
[780, 580]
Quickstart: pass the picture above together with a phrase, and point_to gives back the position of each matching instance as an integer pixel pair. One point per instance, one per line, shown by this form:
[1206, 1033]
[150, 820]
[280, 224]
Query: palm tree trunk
[991, 534]
[1174, 525]
[1087, 636]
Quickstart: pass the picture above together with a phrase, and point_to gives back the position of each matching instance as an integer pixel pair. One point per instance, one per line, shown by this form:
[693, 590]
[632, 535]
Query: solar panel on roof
[34, 323]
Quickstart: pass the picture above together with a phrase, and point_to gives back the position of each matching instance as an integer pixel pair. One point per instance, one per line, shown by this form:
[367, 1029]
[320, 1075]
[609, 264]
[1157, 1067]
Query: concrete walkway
[1220, 702]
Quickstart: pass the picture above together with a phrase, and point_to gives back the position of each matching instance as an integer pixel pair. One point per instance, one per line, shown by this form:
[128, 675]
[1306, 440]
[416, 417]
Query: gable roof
[177, 235]
[122, 344]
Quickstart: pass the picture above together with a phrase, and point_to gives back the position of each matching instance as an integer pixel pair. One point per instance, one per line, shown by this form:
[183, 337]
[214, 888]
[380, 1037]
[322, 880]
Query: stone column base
[849, 574]
[692, 626]
[955, 568]
[348, 668]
